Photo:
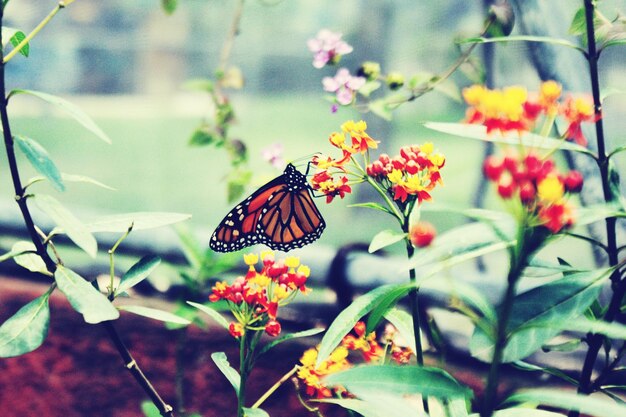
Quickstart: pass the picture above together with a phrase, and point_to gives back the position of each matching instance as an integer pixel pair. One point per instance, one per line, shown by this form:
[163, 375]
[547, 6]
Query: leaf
[204, 135]
[524, 38]
[137, 273]
[597, 212]
[403, 322]
[30, 261]
[449, 88]
[372, 205]
[149, 409]
[384, 304]
[579, 23]
[169, 6]
[523, 412]
[346, 320]
[380, 108]
[155, 314]
[217, 317]
[371, 408]
[40, 160]
[83, 178]
[199, 84]
[369, 87]
[469, 294]
[71, 109]
[411, 379]
[569, 401]
[15, 40]
[229, 372]
[83, 297]
[289, 336]
[528, 140]
[74, 228]
[384, 239]
[119, 223]
[584, 325]
[7, 34]
[190, 246]
[232, 78]
[557, 302]
[26, 330]
[254, 412]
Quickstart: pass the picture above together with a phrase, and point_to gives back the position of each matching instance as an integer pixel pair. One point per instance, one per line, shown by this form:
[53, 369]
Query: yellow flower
[304, 270]
[292, 261]
[280, 293]
[474, 95]
[339, 354]
[550, 189]
[267, 254]
[337, 139]
[261, 280]
[427, 148]
[250, 259]
[309, 357]
[395, 176]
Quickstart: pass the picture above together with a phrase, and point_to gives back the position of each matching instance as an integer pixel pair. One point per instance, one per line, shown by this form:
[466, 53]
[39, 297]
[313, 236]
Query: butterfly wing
[281, 214]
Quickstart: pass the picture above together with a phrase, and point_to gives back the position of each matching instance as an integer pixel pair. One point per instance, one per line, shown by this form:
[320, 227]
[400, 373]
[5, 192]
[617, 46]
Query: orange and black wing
[281, 214]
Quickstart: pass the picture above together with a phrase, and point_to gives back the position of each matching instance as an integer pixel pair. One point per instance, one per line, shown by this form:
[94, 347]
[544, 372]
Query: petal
[344, 96]
[330, 84]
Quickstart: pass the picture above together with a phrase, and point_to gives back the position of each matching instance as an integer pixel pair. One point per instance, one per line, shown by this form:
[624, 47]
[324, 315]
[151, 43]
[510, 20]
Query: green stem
[243, 373]
[37, 29]
[415, 310]
[392, 207]
[112, 262]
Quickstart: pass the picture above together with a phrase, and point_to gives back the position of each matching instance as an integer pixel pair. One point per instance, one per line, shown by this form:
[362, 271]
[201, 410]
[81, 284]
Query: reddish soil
[77, 371]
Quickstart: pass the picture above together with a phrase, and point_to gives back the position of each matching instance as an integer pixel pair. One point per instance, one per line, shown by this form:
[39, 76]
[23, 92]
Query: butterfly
[281, 214]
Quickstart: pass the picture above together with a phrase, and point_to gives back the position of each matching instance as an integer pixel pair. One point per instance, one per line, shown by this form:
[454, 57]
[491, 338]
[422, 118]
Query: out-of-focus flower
[344, 85]
[274, 155]
[327, 48]
[369, 70]
[394, 80]
[422, 234]
[337, 361]
[576, 111]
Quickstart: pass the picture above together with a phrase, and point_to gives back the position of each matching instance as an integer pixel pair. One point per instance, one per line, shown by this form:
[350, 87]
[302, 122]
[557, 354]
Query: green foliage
[137, 273]
[286, 337]
[26, 330]
[24, 254]
[169, 6]
[228, 371]
[70, 224]
[569, 401]
[16, 39]
[367, 380]
[385, 238]
[84, 297]
[217, 317]
[155, 314]
[403, 322]
[377, 406]
[40, 160]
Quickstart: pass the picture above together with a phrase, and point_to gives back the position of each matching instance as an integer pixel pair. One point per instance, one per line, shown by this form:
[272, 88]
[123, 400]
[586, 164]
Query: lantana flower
[327, 48]
[254, 298]
[344, 85]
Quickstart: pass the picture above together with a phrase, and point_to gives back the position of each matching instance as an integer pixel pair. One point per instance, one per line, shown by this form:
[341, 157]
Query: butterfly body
[281, 214]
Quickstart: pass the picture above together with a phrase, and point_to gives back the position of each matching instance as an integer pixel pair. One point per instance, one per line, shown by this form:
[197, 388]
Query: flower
[310, 375]
[576, 111]
[272, 328]
[343, 85]
[498, 110]
[325, 183]
[361, 141]
[422, 234]
[327, 48]
[369, 70]
[274, 155]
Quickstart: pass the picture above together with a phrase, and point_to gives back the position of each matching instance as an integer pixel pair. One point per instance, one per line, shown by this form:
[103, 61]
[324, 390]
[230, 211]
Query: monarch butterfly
[281, 214]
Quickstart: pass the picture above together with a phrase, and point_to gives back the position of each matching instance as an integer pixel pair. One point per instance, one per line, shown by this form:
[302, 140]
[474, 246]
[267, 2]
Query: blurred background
[126, 62]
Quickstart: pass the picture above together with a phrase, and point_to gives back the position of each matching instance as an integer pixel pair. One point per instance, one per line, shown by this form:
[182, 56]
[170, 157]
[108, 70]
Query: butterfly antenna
[297, 162]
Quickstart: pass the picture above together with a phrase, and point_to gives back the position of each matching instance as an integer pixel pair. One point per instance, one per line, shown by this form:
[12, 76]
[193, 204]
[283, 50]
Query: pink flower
[327, 47]
[344, 85]
[274, 155]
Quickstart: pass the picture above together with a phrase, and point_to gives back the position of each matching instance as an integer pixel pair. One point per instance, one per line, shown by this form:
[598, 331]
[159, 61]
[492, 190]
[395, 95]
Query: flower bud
[394, 80]
[272, 328]
[527, 192]
[506, 187]
[574, 182]
[369, 70]
[422, 234]
[503, 18]
[493, 167]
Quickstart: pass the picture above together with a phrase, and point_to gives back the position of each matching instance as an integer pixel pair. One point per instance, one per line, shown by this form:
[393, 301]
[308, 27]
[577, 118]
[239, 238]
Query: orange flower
[576, 111]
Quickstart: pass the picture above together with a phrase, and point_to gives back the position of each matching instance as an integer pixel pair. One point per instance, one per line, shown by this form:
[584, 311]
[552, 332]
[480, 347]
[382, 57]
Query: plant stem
[415, 309]
[243, 373]
[51, 266]
[274, 387]
[595, 341]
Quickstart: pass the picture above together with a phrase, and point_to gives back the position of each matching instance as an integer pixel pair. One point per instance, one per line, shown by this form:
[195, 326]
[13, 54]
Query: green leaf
[216, 316]
[541, 39]
[346, 320]
[149, 409]
[384, 239]
[380, 108]
[289, 336]
[190, 246]
[384, 304]
[569, 401]
[403, 322]
[584, 325]
[365, 380]
[254, 412]
[26, 330]
[71, 109]
[369, 88]
[83, 178]
[119, 223]
[199, 84]
[83, 297]
[596, 213]
[558, 301]
[137, 273]
[21, 253]
[155, 314]
[7, 34]
[229, 372]
[372, 205]
[169, 6]
[579, 23]
[18, 37]
[529, 140]
[204, 135]
[377, 407]
[40, 160]
[74, 228]
[469, 294]
[523, 412]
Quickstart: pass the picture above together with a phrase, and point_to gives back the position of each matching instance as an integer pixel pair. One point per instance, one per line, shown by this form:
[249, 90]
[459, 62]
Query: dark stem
[179, 378]
[415, 309]
[243, 373]
[595, 341]
[41, 248]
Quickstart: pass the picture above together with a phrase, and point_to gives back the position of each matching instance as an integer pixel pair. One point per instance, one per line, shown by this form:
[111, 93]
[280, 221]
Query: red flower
[422, 234]
[272, 328]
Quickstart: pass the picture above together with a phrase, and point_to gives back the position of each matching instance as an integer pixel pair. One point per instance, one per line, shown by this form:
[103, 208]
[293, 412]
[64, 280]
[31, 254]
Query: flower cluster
[514, 109]
[352, 139]
[411, 175]
[344, 85]
[327, 48]
[254, 298]
[538, 185]
[371, 351]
